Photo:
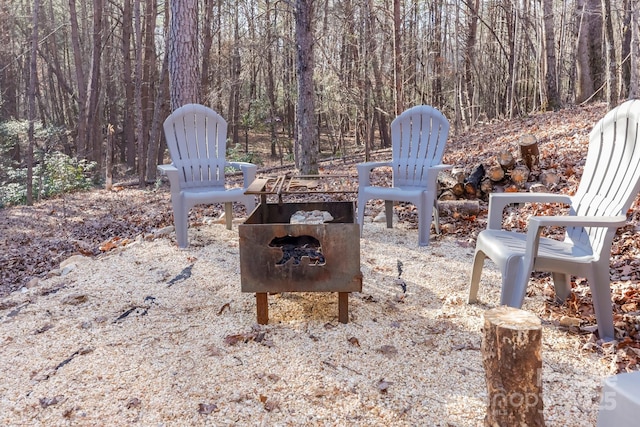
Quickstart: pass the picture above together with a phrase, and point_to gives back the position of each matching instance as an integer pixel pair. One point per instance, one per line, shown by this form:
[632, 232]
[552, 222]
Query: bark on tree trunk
[634, 86]
[307, 139]
[184, 75]
[611, 74]
[553, 98]
[397, 57]
[33, 80]
[512, 360]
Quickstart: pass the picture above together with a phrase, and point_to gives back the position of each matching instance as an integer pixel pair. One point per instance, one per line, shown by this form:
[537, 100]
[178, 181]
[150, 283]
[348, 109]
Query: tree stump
[511, 356]
[529, 151]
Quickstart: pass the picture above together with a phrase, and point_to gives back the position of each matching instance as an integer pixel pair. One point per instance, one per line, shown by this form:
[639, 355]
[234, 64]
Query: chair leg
[228, 214]
[436, 216]
[362, 203]
[514, 282]
[180, 221]
[425, 214]
[562, 285]
[388, 212]
[476, 273]
[600, 284]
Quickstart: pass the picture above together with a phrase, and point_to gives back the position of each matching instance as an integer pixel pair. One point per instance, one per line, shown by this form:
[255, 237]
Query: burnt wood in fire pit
[277, 256]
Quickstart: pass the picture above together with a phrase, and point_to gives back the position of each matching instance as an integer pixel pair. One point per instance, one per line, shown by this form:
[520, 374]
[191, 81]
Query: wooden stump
[506, 160]
[511, 356]
[529, 151]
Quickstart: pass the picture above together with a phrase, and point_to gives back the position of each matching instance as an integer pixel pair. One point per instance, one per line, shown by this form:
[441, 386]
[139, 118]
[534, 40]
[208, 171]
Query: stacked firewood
[508, 172]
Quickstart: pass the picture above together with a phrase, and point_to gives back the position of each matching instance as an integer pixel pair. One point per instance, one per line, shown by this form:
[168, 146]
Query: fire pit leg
[343, 307]
[262, 307]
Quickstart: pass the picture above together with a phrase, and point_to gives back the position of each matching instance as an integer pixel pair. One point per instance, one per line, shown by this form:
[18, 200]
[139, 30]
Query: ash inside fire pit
[297, 248]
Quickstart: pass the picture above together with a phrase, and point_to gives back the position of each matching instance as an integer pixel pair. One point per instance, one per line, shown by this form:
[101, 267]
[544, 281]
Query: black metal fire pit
[278, 256]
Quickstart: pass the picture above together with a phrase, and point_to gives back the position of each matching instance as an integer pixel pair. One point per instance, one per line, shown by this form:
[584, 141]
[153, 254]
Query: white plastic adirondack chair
[418, 138]
[196, 136]
[609, 184]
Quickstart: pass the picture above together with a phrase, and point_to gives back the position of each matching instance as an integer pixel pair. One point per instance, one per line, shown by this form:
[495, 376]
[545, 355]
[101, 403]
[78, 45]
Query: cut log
[512, 360]
[495, 173]
[506, 160]
[458, 174]
[448, 182]
[472, 183]
[447, 195]
[549, 178]
[537, 188]
[458, 208]
[486, 186]
[520, 175]
[529, 151]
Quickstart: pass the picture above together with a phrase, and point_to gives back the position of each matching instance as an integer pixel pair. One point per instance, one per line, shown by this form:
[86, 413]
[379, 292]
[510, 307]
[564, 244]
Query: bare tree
[553, 99]
[184, 75]
[611, 74]
[634, 88]
[33, 80]
[306, 152]
[590, 53]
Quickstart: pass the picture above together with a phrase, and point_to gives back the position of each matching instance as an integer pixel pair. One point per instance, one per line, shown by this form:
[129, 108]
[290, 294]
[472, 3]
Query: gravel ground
[123, 339]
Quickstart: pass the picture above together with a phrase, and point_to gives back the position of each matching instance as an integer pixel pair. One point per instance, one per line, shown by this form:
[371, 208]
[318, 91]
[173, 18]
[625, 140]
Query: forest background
[85, 86]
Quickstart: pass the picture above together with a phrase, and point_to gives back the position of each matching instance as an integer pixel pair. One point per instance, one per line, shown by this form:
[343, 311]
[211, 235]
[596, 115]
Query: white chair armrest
[249, 171]
[364, 171]
[172, 174]
[577, 221]
[433, 171]
[537, 223]
[498, 201]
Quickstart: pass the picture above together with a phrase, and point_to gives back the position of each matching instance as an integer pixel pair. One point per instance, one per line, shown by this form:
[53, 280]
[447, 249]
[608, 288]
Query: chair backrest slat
[418, 138]
[196, 138]
[611, 176]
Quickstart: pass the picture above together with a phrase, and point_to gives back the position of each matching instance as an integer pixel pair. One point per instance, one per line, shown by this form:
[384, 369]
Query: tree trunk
[611, 74]
[553, 97]
[128, 147]
[397, 57]
[81, 136]
[590, 71]
[470, 63]
[94, 122]
[306, 138]
[138, 93]
[156, 121]
[270, 81]
[33, 81]
[511, 355]
[626, 48]
[184, 75]
[634, 86]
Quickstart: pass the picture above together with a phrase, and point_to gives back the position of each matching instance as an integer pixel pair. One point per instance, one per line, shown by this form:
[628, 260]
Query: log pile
[508, 172]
